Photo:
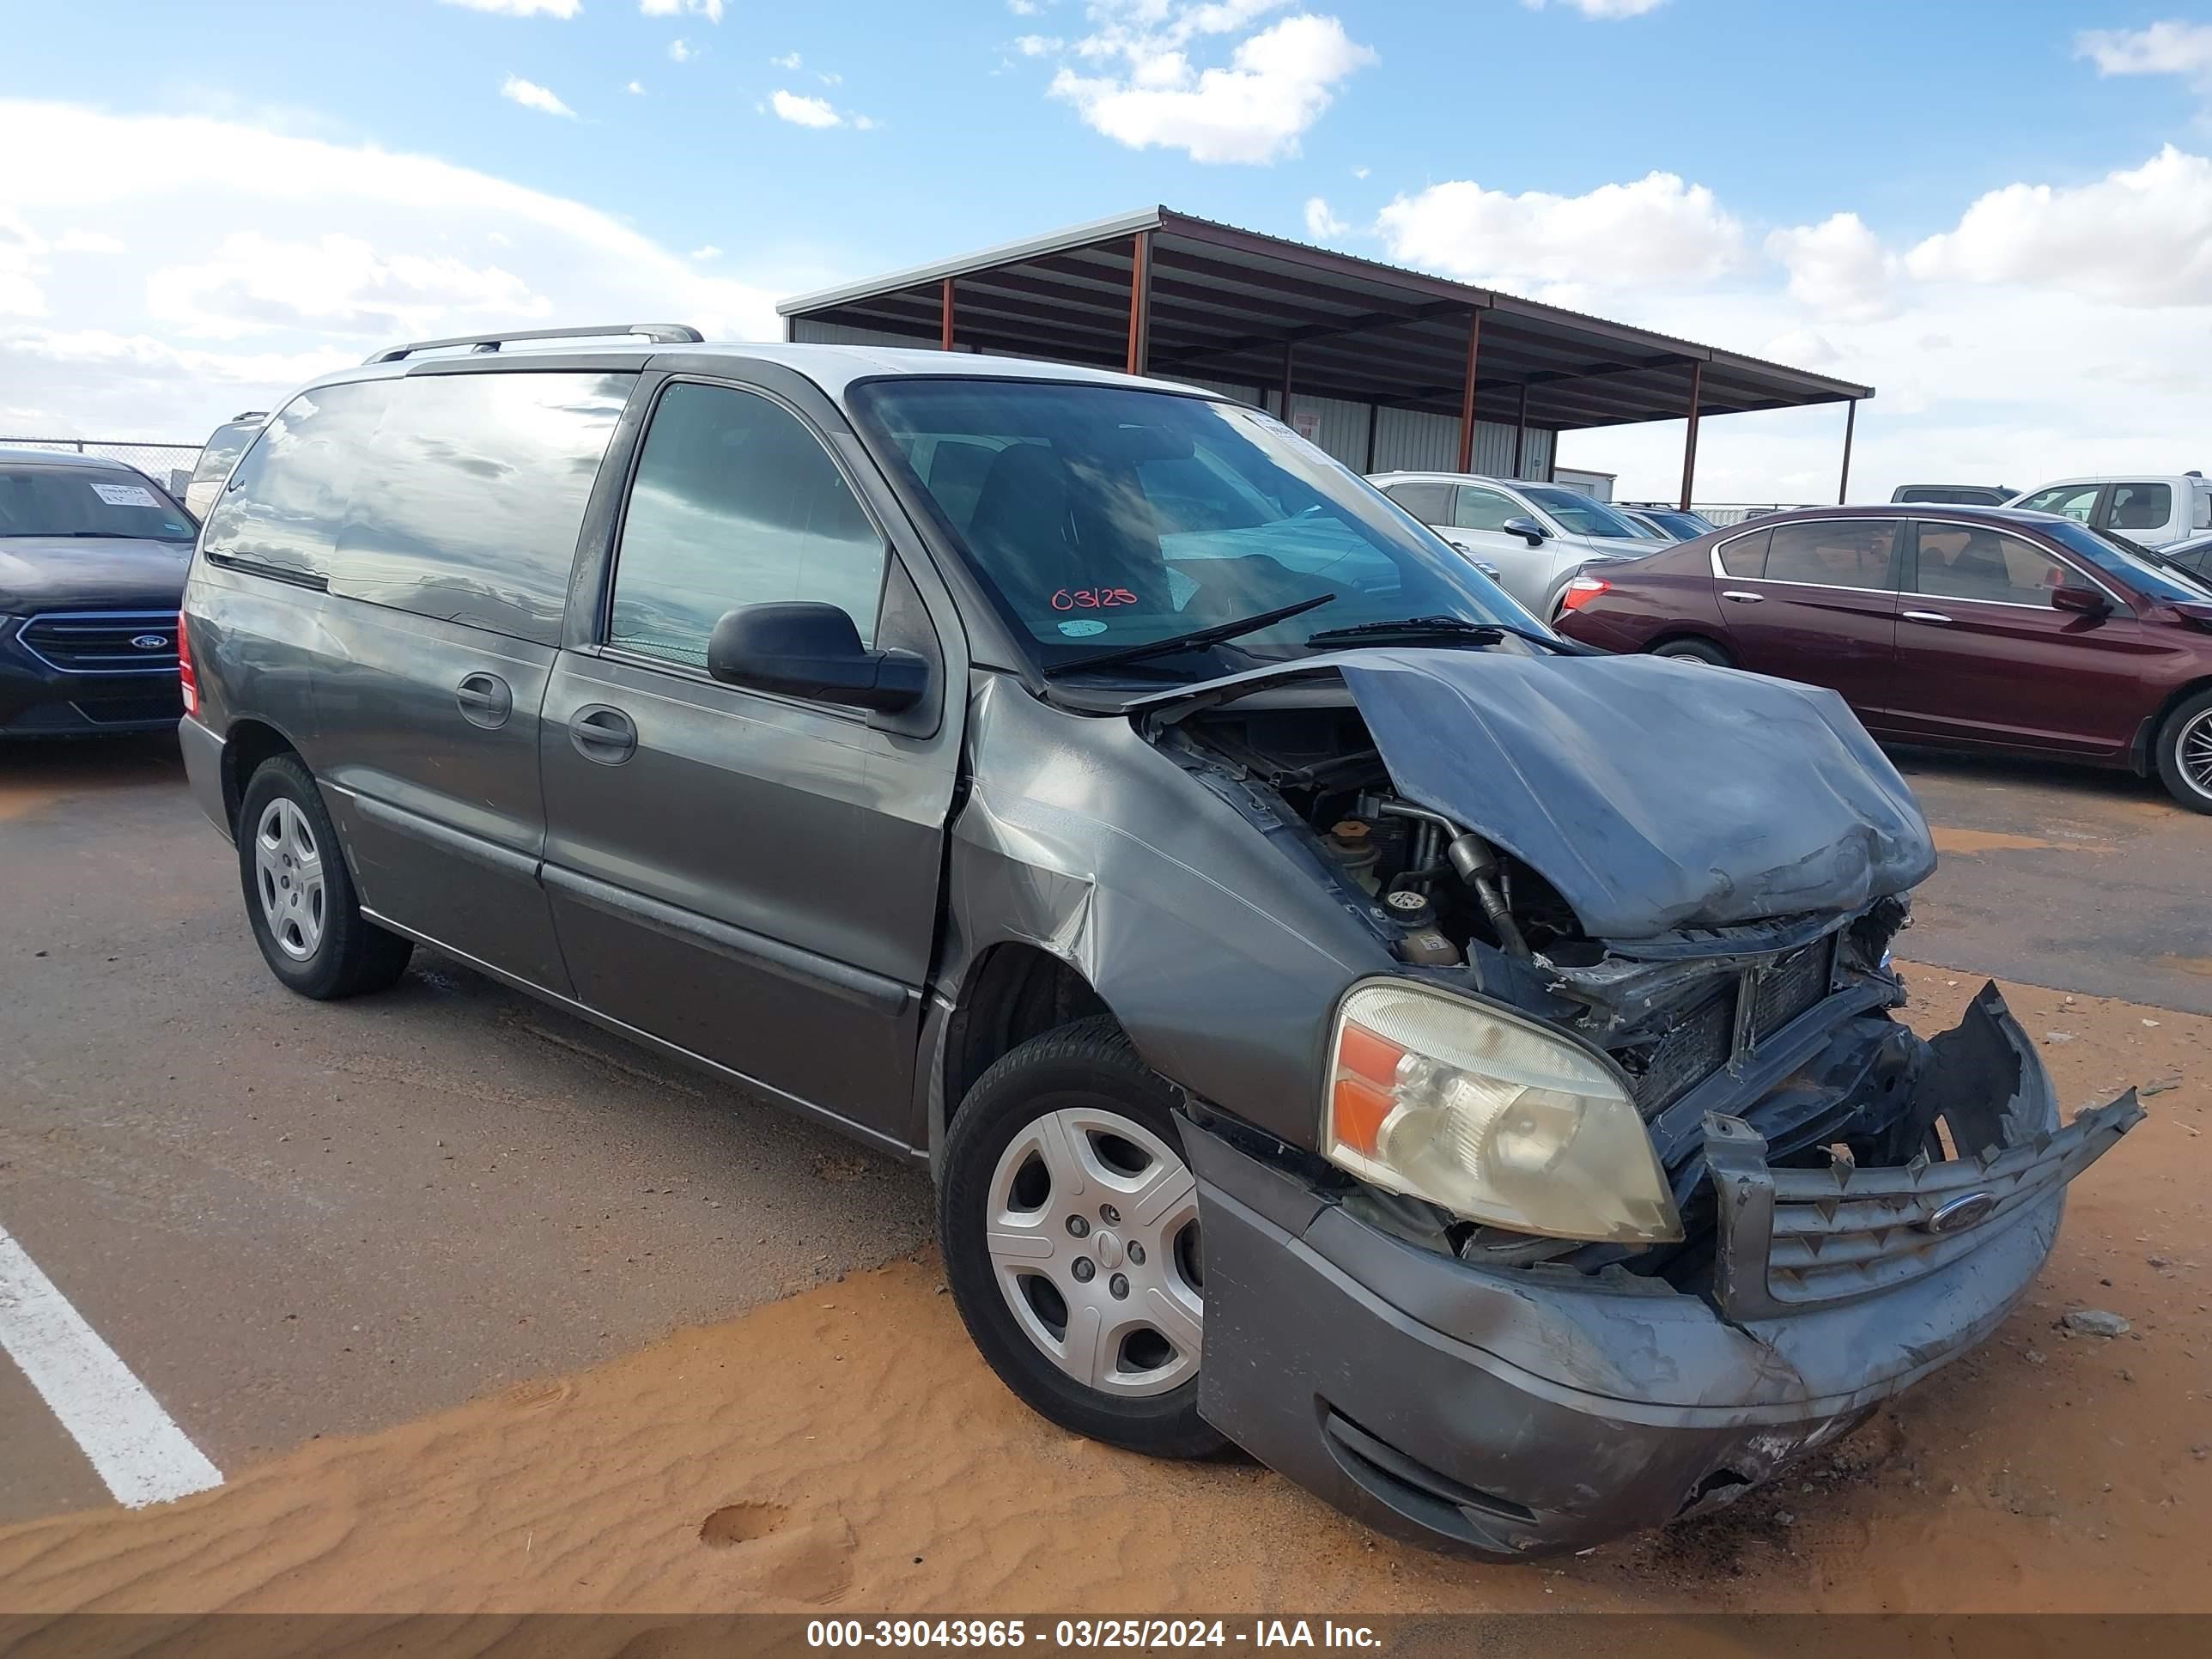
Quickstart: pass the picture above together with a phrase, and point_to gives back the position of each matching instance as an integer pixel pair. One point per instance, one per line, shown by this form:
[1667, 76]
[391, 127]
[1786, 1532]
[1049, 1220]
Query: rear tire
[1068, 1223]
[1703, 651]
[298, 895]
[2184, 750]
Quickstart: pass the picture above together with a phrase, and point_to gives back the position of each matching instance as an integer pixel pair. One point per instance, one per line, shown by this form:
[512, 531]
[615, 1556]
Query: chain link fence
[169, 465]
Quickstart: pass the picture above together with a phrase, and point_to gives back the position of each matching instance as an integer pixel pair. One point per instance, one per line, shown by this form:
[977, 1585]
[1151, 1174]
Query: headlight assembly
[1491, 1116]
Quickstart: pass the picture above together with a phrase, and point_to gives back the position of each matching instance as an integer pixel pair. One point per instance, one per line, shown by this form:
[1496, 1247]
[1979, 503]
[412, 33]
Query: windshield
[1102, 518]
[87, 501]
[1582, 516]
[2118, 558]
[223, 448]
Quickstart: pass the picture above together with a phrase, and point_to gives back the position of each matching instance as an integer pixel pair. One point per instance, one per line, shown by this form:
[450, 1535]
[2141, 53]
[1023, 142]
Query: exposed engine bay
[1780, 1025]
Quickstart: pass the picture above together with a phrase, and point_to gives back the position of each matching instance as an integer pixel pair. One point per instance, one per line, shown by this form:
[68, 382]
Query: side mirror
[804, 649]
[2082, 601]
[1528, 529]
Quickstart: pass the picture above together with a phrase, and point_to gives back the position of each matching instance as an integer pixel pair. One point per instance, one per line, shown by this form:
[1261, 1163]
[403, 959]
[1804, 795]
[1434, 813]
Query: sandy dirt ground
[847, 1449]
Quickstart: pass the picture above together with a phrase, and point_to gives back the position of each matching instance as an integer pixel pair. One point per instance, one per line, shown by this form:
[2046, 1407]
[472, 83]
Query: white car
[1537, 535]
[220, 452]
[2148, 508]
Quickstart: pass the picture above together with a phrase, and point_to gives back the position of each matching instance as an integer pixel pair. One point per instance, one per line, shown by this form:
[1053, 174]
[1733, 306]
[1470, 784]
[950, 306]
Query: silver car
[220, 452]
[1537, 535]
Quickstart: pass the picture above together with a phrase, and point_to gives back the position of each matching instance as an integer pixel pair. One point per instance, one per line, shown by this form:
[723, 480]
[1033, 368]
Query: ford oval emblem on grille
[150, 641]
[1960, 1214]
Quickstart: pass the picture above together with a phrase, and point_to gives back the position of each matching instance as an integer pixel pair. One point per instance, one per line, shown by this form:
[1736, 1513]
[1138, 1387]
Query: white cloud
[635, 88]
[1603, 9]
[865, 124]
[804, 112]
[1277, 84]
[1361, 173]
[522, 8]
[709, 10]
[790, 60]
[1023, 8]
[1658, 230]
[1039, 46]
[2142, 236]
[87, 241]
[1321, 223]
[299, 255]
[679, 52]
[530, 95]
[334, 284]
[830, 77]
[709, 251]
[1838, 268]
[2167, 48]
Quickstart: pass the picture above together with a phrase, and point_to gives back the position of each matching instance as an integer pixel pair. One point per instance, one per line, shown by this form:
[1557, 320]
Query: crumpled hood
[1656, 795]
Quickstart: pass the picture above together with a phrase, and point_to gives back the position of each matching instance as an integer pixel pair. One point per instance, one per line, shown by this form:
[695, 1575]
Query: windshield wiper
[1409, 629]
[1191, 642]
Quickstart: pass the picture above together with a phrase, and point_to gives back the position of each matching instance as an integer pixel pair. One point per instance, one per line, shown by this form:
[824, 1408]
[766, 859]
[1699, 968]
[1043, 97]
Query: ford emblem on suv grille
[150, 641]
[1960, 1214]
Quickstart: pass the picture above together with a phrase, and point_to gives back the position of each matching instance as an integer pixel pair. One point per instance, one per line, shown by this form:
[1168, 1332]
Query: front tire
[2184, 747]
[299, 894]
[1068, 1223]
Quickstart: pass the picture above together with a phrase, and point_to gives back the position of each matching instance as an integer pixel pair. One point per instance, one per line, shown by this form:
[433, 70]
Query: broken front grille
[1704, 1038]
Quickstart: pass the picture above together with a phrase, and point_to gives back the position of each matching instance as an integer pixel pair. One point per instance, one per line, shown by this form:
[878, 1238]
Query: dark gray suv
[1340, 1017]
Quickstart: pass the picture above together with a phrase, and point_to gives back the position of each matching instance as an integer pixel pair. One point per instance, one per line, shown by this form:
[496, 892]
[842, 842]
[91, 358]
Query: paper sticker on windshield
[125, 494]
[1079, 630]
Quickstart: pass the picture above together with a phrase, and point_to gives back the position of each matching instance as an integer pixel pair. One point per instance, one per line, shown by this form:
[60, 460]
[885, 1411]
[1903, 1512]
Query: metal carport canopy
[1162, 293]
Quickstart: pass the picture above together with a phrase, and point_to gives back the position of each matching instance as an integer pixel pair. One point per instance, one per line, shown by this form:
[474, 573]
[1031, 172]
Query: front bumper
[1512, 1413]
[40, 699]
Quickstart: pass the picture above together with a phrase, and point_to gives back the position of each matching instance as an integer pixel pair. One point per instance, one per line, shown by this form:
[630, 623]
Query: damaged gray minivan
[1341, 1017]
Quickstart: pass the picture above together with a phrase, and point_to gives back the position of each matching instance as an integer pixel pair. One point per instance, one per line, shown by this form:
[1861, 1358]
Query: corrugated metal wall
[1404, 440]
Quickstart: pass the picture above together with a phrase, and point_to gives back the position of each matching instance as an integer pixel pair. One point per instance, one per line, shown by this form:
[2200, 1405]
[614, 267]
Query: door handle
[485, 700]
[1934, 618]
[1743, 597]
[603, 734]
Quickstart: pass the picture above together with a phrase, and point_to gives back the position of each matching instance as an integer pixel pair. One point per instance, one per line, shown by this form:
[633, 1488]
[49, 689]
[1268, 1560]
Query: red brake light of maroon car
[1581, 591]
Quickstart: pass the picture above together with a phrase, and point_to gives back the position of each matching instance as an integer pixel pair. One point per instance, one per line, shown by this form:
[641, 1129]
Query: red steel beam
[1140, 302]
[945, 316]
[1466, 394]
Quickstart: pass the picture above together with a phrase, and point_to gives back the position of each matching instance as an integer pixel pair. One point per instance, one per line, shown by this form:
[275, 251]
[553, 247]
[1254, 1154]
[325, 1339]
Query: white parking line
[138, 1449]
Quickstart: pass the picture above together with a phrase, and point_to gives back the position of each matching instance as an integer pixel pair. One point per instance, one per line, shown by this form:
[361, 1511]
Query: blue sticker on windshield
[1079, 630]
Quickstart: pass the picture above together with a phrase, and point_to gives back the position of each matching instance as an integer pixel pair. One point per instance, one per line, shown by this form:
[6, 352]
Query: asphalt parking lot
[295, 1220]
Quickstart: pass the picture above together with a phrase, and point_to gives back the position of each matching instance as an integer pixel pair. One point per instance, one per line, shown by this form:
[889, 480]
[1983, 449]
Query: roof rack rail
[249, 415]
[659, 333]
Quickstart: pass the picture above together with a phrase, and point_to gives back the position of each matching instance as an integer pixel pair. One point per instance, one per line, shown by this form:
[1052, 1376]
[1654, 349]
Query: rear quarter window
[287, 502]
[1429, 502]
[468, 503]
[1747, 555]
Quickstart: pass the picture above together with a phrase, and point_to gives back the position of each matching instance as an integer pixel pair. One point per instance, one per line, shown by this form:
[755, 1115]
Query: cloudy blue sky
[1999, 214]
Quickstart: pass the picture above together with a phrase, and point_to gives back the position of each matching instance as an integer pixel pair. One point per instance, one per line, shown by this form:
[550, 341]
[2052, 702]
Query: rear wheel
[298, 895]
[1703, 651]
[1068, 1221]
[2184, 747]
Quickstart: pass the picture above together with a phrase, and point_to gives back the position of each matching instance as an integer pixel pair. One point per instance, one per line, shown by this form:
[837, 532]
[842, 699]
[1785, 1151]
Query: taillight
[187, 682]
[1581, 591]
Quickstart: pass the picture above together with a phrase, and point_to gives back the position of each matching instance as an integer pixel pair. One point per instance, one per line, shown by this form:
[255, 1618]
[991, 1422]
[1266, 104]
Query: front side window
[1582, 515]
[2075, 501]
[2140, 507]
[2145, 572]
[1112, 517]
[1483, 509]
[91, 503]
[1835, 553]
[1959, 563]
[735, 503]
[1429, 502]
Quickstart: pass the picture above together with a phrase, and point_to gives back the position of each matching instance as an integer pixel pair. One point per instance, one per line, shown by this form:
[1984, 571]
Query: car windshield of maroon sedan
[1106, 519]
[95, 502]
[2116, 558]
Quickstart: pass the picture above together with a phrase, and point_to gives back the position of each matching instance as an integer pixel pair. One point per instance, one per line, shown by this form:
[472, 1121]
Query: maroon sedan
[1965, 627]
